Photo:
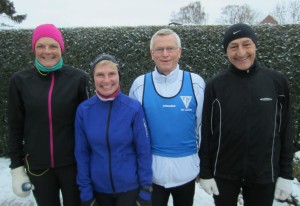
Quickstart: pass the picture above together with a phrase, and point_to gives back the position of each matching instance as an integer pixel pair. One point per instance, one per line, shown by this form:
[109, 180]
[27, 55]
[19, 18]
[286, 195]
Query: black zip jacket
[246, 127]
[41, 115]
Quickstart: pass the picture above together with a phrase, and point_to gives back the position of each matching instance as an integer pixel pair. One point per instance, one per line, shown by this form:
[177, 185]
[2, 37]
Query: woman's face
[106, 78]
[47, 51]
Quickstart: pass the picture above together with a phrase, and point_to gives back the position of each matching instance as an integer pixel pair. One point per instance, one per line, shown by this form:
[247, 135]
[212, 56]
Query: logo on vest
[186, 101]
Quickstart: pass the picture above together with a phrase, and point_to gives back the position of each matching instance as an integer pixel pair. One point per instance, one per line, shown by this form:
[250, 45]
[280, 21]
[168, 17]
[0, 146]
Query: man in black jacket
[246, 128]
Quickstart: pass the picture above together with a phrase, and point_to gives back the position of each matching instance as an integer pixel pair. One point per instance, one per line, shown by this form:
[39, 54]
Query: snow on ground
[7, 197]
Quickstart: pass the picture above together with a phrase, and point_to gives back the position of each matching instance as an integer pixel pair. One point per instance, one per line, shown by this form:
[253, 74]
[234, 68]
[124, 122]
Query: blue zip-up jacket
[112, 146]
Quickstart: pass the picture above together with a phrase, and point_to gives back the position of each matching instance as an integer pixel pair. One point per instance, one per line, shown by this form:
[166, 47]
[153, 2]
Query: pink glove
[209, 186]
[283, 188]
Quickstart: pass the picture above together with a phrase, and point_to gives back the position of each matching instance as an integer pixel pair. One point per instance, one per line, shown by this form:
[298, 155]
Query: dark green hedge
[278, 48]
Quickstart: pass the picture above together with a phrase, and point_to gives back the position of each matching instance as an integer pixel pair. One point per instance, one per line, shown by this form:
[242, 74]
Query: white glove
[19, 177]
[283, 188]
[210, 186]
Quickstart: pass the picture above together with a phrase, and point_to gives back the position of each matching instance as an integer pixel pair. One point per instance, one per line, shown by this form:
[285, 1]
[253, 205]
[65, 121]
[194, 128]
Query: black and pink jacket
[41, 112]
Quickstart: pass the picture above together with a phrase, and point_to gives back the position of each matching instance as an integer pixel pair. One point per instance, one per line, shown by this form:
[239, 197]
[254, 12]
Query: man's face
[241, 53]
[165, 53]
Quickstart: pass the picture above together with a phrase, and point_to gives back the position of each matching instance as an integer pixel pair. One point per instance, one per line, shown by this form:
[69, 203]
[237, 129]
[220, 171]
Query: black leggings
[253, 194]
[119, 199]
[182, 195]
[48, 186]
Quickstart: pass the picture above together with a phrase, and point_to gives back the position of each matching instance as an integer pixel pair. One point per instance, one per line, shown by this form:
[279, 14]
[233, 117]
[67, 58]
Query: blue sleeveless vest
[171, 120]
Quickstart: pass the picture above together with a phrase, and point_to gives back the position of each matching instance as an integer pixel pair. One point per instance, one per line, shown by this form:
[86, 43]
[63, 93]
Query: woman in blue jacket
[112, 146]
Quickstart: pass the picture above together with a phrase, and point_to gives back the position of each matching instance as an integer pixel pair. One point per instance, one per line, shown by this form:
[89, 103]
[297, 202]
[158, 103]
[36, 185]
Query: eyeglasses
[168, 49]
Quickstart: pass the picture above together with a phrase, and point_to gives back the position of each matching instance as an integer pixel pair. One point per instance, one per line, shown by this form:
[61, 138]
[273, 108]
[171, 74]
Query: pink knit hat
[47, 30]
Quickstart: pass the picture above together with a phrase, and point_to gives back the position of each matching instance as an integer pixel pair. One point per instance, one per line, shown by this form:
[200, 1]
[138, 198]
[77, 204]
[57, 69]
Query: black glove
[91, 202]
[144, 198]
[140, 202]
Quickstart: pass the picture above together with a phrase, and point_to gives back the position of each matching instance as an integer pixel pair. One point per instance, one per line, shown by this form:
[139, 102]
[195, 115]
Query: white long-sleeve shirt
[169, 171]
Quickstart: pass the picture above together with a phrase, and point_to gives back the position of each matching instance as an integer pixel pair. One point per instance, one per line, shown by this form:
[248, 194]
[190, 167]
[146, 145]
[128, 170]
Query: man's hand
[209, 186]
[283, 189]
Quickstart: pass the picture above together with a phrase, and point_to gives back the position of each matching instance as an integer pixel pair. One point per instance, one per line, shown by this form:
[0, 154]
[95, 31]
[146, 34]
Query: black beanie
[102, 57]
[237, 31]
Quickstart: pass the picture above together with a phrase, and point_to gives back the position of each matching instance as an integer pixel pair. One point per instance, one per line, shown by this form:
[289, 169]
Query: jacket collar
[251, 70]
[161, 78]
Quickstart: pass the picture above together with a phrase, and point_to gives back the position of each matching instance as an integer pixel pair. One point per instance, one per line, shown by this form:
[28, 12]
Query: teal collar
[49, 69]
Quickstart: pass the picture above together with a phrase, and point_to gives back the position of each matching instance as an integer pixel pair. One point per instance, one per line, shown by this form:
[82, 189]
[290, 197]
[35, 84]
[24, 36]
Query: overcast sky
[86, 13]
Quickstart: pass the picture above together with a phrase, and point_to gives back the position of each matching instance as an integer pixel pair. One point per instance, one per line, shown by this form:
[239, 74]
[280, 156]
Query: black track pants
[48, 186]
[119, 199]
[253, 194]
[182, 195]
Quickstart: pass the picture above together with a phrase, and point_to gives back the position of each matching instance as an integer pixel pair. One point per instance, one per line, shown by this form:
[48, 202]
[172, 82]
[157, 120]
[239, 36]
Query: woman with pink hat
[42, 103]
